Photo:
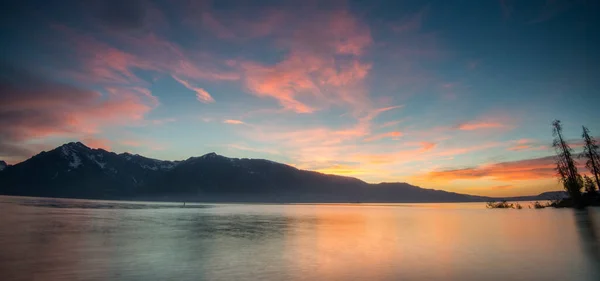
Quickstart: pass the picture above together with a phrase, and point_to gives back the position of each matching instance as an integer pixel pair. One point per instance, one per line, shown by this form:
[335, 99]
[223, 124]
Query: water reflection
[295, 242]
[588, 228]
[382, 243]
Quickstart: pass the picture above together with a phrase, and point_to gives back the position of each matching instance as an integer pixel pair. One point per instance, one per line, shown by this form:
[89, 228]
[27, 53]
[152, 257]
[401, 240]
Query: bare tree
[565, 165]
[590, 152]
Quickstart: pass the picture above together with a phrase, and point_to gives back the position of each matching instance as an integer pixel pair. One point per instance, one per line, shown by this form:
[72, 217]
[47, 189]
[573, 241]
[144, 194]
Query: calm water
[93, 240]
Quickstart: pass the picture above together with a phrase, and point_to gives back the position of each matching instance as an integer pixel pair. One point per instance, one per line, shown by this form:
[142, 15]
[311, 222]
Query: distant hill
[550, 195]
[74, 170]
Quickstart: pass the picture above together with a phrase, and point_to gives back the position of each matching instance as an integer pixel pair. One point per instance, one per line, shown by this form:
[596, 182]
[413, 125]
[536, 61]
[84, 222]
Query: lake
[49, 239]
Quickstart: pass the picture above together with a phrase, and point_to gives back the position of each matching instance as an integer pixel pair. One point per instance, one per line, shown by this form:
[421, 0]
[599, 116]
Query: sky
[452, 95]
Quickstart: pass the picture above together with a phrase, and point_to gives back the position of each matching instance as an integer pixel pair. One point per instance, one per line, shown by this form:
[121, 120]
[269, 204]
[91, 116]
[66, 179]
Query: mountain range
[74, 170]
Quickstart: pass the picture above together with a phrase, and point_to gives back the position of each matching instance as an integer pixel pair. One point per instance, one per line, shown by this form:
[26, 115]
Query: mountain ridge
[74, 170]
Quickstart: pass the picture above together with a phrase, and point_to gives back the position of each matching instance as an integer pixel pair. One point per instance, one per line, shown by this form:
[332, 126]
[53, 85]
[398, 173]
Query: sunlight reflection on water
[100, 240]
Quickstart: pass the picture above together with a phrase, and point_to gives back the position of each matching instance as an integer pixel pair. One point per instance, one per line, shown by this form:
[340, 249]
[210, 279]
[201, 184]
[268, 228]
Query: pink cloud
[526, 144]
[43, 108]
[233, 122]
[94, 142]
[201, 95]
[103, 63]
[480, 126]
[319, 144]
[390, 124]
[314, 75]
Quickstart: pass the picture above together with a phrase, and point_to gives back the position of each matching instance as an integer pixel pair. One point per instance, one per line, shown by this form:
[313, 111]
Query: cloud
[95, 142]
[100, 62]
[528, 169]
[479, 126]
[428, 145]
[384, 135]
[317, 144]
[32, 108]
[343, 169]
[233, 122]
[502, 187]
[390, 124]
[201, 95]
[527, 144]
[323, 65]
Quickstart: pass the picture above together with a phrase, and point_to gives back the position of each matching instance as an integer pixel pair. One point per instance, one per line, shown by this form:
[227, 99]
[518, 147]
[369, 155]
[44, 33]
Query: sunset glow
[383, 91]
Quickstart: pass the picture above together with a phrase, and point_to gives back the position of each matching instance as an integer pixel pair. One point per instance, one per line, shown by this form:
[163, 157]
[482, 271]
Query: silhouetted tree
[590, 152]
[588, 185]
[565, 165]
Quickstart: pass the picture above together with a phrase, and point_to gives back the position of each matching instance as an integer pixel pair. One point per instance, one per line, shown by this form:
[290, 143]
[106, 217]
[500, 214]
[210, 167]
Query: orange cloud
[502, 187]
[384, 135]
[428, 145]
[537, 168]
[233, 122]
[201, 94]
[344, 170]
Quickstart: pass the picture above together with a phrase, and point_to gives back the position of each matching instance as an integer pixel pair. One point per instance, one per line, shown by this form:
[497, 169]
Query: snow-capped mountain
[77, 171]
[77, 153]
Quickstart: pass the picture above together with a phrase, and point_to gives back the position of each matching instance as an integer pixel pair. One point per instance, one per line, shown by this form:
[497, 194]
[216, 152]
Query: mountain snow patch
[93, 158]
[75, 161]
